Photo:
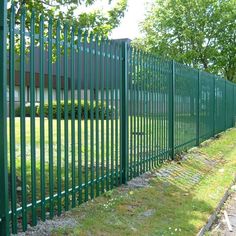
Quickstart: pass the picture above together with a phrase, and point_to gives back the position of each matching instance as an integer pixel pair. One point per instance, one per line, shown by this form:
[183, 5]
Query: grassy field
[178, 203]
[185, 130]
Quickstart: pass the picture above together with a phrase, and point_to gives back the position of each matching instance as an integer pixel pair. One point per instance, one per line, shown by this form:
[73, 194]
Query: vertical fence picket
[141, 111]
[138, 110]
[66, 110]
[146, 109]
[79, 78]
[161, 116]
[118, 59]
[124, 114]
[50, 121]
[72, 86]
[130, 114]
[102, 59]
[140, 131]
[152, 130]
[58, 116]
[156, 107]
[91, 89]
[32, 121]
[42, 132]
[12, 122]
[97, 84]
[145, 76]
[165, 111]
[22, 121]
[112, 70]
[144, 140]
[149, 118]
[86, 51]
[107, 86]
[147, 84]
[213, 105]
[171, 112]
[4, 209]
[149, 102]
[225, 105]
[233, 118]
[198, 109]
[134, 85]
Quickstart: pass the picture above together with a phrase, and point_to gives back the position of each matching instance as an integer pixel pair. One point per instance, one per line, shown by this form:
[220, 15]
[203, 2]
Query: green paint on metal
[66, 107]
[96, 77]
[198, 109]
[22, 120]
[79, 57]
[4, 223]
[107, 91]
[124, 114]
[86, 80]
[32, 122]
[50, 121]
[58, 117]
[91, 88]
[42, 132]
[12, 122]
[72, 81]
[171, 112]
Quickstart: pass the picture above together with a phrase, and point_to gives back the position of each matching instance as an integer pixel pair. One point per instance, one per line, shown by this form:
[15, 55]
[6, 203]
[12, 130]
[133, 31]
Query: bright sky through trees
[129, 27]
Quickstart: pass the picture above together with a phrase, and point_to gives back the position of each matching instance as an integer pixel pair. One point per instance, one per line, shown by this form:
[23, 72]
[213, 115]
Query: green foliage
[27, 110]
[110, 114]
[199, 33]
[97, 21]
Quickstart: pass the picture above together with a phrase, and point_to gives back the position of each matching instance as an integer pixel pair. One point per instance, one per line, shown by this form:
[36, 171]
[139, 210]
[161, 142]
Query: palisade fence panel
[229, 104]
[206, 111]
[65, 148]
[85, 114]
[148, 111]
[220, 113]
[185, 107]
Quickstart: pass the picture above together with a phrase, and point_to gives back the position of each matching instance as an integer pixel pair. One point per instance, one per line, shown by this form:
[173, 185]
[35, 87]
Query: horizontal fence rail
[81, 114]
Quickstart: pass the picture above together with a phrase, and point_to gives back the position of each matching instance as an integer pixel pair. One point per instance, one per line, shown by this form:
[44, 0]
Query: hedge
[111, 111]
[27, 109]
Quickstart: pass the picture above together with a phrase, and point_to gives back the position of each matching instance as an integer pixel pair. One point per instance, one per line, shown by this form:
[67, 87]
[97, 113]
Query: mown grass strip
[180, 197]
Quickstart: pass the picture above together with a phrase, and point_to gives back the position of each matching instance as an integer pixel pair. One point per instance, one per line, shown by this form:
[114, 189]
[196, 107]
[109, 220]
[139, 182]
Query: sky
[129, 27]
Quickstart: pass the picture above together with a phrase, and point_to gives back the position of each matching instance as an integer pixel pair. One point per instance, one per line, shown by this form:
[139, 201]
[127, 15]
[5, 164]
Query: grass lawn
[178, 203]
[185, 130]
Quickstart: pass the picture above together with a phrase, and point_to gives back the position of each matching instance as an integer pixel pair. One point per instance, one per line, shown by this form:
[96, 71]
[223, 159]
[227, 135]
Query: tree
[68, 11]
[199, 33]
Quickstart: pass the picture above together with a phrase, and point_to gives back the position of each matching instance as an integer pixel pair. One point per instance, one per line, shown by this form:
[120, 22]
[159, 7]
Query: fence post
[124, 113]
[198, 110]
[171, 112]
[225, 106]
[233, 123]
[4, 216]
[213, 105]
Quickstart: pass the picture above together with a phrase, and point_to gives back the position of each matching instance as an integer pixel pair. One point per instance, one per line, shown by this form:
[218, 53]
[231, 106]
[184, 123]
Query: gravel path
[220, 228]
[45, 228]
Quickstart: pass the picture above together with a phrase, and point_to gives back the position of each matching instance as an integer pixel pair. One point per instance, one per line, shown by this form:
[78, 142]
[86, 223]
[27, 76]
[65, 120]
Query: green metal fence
[100, 113]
